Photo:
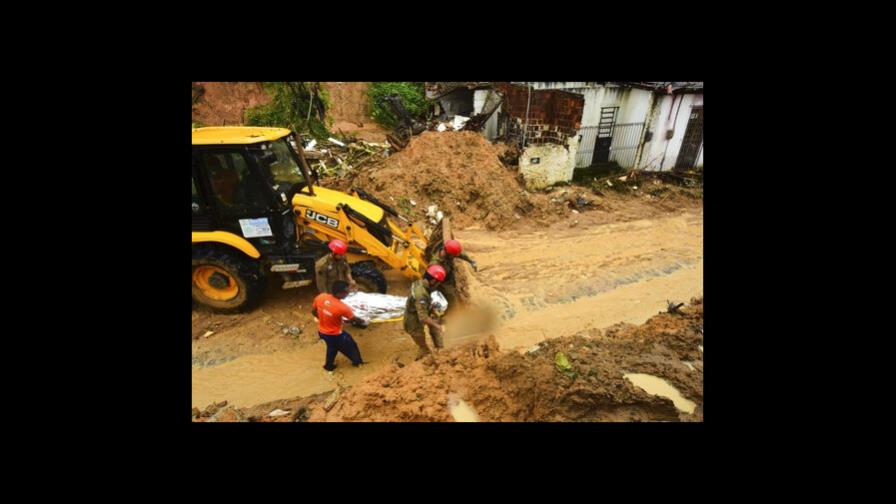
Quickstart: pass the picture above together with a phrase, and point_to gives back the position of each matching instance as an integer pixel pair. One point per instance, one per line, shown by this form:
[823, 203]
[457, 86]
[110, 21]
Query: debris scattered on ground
[562, 362]
[297, 410]
[459, 122]
[332, 399]
[672, 307]
[660, 181]
[210, 411]
[434, 214]
[341, 158]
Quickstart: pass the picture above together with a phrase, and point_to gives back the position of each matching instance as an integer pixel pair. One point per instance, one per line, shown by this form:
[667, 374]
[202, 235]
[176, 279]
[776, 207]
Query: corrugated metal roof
[668, 86]
[437, 89]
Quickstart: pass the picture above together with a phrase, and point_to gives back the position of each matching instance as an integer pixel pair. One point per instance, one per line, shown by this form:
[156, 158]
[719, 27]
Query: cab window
[232, 184]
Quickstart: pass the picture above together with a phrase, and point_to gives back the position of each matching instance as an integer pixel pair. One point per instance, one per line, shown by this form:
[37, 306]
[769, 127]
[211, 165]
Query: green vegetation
[411, 93]
[299, 106]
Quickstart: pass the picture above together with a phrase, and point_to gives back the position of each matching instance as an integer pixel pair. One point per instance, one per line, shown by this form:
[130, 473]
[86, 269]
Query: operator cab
[243, 183]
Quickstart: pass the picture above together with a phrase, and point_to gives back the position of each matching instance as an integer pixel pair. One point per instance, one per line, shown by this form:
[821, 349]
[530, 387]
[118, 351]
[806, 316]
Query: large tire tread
[247, 272]
[368, 272]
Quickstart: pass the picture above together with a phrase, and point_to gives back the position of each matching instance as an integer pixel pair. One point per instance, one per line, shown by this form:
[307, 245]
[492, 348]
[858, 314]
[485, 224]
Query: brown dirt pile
[530, 387]
[461, 173]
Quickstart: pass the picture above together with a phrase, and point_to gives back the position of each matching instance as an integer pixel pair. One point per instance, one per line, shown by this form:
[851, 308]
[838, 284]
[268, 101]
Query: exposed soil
[348, 102]
[532, 285]
[556, 268]
[349, 111]
[462, 174]
[224, 103]
[528, 385]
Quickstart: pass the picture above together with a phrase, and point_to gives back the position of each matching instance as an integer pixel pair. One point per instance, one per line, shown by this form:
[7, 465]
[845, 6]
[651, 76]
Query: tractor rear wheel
[226, 281]
[368, 277]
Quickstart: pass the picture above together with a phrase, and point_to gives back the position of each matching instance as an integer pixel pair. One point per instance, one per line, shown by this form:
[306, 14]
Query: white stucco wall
[591, 111]
[673, 112]
[633, 108]
[483, 101]
[556, 164]
[670, 112]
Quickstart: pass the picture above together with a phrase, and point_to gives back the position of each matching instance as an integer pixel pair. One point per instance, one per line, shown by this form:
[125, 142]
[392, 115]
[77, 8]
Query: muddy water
[657, 386]
[460, 410]
[254, 379]
[547, 283]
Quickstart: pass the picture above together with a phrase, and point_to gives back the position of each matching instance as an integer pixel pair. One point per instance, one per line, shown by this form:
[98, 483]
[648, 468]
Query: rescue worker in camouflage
[417, 311]
[333, 267]
[444, 257]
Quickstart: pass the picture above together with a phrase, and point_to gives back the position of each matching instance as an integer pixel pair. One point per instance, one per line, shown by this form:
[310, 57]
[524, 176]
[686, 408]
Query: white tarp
[372, 306]
[375, 307]
[438, 303]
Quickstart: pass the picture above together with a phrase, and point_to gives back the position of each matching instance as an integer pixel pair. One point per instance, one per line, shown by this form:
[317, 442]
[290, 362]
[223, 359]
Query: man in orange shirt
[329, 310]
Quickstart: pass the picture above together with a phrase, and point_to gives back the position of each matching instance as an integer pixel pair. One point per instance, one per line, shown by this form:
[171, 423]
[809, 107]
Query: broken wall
[550, 132]
[553, 115]
[457, 102]
[485, 100]
[548, 163]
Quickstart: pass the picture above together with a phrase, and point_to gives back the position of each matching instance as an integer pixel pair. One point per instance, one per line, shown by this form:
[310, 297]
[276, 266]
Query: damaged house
[544, 123]
[639, 125]
[565, 126]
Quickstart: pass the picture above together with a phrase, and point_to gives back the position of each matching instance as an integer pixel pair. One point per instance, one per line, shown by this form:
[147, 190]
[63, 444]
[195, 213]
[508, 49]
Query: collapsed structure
[562, 127]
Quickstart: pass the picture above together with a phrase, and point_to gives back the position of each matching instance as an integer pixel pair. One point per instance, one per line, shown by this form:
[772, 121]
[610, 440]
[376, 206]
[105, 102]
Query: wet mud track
[544, 283]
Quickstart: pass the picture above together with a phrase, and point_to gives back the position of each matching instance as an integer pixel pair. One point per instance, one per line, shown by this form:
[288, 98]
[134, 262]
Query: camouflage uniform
[327, 270]
[447, 287]
[417, 308]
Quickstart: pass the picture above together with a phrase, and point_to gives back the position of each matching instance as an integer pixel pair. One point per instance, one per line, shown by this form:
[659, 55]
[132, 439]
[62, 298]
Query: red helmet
[437, 271]
[453, 247]
[338, 247]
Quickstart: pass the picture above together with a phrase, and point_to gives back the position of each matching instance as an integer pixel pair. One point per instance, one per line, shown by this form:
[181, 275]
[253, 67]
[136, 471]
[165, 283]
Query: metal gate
[693, 138]
[622, 148]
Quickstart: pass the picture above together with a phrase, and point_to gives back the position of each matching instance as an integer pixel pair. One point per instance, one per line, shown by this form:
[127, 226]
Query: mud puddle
[460, 410]
[654, 385]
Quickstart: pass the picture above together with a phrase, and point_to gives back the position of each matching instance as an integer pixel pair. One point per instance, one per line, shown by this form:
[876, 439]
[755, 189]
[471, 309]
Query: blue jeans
[341, 343]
